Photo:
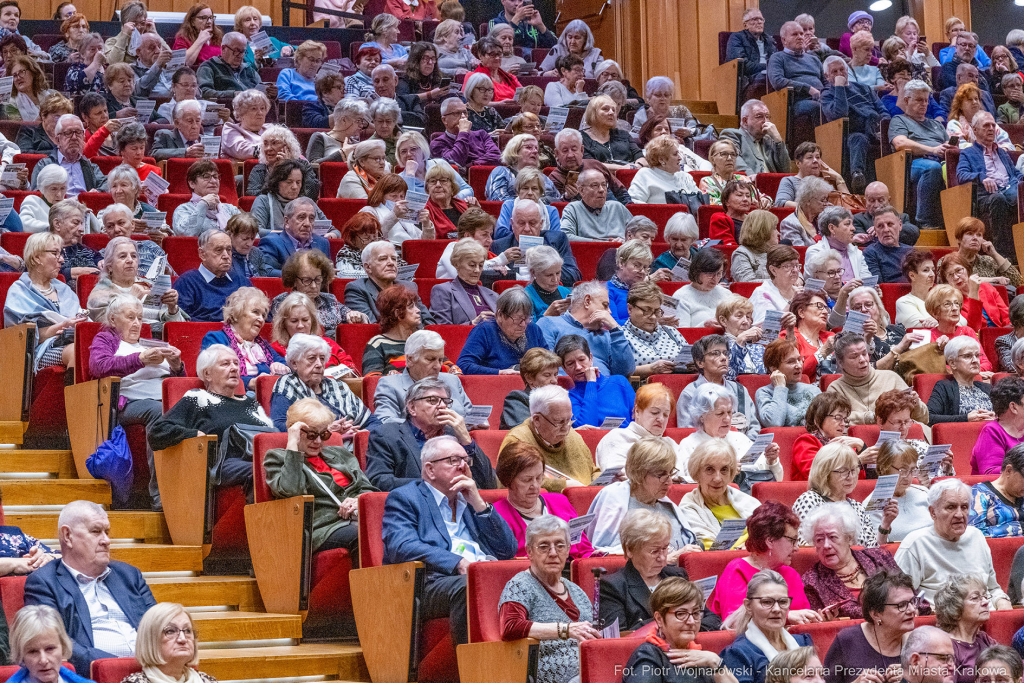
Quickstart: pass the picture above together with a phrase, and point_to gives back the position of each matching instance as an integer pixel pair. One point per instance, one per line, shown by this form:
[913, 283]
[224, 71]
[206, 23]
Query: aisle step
[140, 525]
[240, 592]
[157, 557]
[12, 432]
[53, 491]
[337, 661]
[229, 626]
[57, 463]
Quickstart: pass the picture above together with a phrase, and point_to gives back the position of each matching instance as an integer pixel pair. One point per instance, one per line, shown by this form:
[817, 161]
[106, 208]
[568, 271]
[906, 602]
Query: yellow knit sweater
[571, 457]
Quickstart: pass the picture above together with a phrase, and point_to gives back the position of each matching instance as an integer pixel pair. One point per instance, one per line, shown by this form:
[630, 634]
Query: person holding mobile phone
[527, 23]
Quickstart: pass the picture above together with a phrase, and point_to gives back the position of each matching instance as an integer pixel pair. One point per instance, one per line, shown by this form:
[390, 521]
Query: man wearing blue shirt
[589, 316]
[885, 257]
[203, 291]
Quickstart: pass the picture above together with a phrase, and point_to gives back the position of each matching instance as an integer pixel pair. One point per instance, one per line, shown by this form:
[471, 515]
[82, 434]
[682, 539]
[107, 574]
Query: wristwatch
[884, 531]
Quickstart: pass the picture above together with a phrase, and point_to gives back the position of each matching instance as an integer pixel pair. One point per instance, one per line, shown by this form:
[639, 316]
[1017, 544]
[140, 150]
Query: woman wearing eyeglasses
[886, 340]
[760, 625]
[826, 419]
[812, 335]
[961, 399]
[946, 304]
[331, 474]
[199, 35]
[901, 457]
[167, 648]
[962, 609]
[869, 652]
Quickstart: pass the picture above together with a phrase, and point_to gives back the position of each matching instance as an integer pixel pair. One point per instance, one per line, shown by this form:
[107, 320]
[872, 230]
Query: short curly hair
[893, 401]
[392, 304]
[309, 257]
[914, 259]
[768, 523]
[823, 405]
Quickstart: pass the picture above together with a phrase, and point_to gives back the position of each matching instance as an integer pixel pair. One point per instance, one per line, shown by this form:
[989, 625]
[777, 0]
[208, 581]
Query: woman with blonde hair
[664, 174]
[758, 234]
[245, 311]
[296, 314]
[801, 665]
[167, 647]
[714, 466]
[242, 140]
[249, 22]
[40, 645]
[383, 35]
[918, 50]
[520, 152]
[452, 58]
[277, 144]
[367, 164]
[604, 141]
[299, 83]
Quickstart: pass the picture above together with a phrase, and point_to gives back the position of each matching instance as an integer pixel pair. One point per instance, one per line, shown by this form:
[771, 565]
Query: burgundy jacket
[823, 587]
[475, 148]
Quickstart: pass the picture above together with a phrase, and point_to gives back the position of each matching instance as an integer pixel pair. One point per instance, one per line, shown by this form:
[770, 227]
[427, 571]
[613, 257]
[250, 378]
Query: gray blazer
[451, 305]
[168, 144]
[361, 295]
[776, 154]
[389, 397]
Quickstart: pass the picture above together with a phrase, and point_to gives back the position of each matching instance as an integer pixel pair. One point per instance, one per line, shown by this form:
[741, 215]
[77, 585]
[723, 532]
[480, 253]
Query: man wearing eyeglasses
[229, 73]
[927, 656]
[760, 146]
[752, 46]
[83, 175]
[297, 235]
[443, 521]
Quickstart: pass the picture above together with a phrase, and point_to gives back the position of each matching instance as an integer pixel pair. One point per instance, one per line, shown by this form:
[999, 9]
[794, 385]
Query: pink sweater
[555, 504]
[731, 588]
[989, 449]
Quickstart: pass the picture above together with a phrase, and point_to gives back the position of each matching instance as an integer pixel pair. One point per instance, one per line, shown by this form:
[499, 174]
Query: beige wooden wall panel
[932, 15]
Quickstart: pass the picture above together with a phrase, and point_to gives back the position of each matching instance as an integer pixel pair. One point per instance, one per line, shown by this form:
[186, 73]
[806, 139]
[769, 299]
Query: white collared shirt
[461, 542]
[111, 630]
[208, 274]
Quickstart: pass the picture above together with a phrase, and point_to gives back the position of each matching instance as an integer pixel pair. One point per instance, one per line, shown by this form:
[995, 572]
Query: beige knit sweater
[571, 457]
[862, 394]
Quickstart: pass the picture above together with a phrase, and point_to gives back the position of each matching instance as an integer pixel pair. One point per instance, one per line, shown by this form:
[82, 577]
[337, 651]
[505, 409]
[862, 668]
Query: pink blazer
[556, 504]
[731, 588]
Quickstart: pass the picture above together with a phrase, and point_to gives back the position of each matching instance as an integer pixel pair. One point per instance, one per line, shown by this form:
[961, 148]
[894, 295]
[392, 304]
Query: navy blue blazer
[277, 247]
[971, 167]
[747, 662]
[393, 458]
[743, 45]
[555, 239]
[53, 585]
[414, 531]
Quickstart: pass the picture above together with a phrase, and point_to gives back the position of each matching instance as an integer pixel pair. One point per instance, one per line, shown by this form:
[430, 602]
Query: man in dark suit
[380, 261]
[752, 46]
[393, 453]
[526, 220]
[996, 189]
[83, 175]
[186, 140]
[442, 521]
[100, 601]
[876, 197]
[297, 235]
[966, 73]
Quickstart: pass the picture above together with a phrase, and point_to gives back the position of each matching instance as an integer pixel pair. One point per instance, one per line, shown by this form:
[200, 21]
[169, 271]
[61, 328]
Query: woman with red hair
[399, 318]
[357, 232]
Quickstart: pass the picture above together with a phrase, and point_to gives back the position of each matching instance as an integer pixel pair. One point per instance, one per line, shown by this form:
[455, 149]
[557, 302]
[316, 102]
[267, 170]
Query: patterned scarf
[519, 345]
[367, 180]
[236, 345]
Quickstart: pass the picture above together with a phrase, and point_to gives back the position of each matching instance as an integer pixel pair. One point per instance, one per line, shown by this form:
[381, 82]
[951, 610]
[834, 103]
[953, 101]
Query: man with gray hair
[592, 218]
[964, 48]
[442, 521]
[152, 79]
[570, 163]
[380, 262]
[965, 73]
[100, 601]
[228, 73]
[753, 46]
[385, 84]
[589, 316]
[203, 291]
[392, 456]
[794, 68]
[928, 656]
[927, 142]
[460, 145]
[760, 146]
[424, 359]
[950, 546]
[83, 175]
[527, 220]
[989, 167]
[859, 103]
[297, 235]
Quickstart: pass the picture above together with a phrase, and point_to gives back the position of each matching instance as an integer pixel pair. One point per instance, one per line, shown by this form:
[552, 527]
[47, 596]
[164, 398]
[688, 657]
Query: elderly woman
[576, 39]
[452, 58]
[505, 35]
[811, 331]
[649, 468]
[633, 266]
[735, 316]
[665, 174]
[711, 413]
[895, 411]
[359, 231]
[40, 646]
[412, 147]
[833, 478]
[478, 89]
[478, 225]
[837, 578]
[311, 273]
[38, 292]
[811, 199]
[980, 256]
[464, 300]
[966, 103]
[367, 163]
[131, 143]
[771, 541]
[330, 473]
[826, 419]
[862, 64]
[204, 211]
[360, 84]
[74, 28]
[444, 207]
[737, 200]
[809, 164]
[659, 125]
[496, 347]
[827, 265]
[836, 226]
[249, 22]
[680, 233]
[184, 86]
[399, 318]
[714, 466]
[997, 436]
[167, 647]
[242, 140]
[383, 35]
[653, 407]
[299, 83]
[538, 603]
[295, 313]
[758, 234]
[350, 117]
[568, 90]
[35, 211]
[489, 51]
[245, 311]
[962, 610]
[901, 458]
[119, 82]
[520, 469]
[698, 301]
[530, 183]
[723, 155]
[120, 274]
[278, 144]
[549, 297]
[384, 116]
[28, 90]
[1000, 662]
[1010, 112]
[783, 266]
[945, 303]
[520, 152]
[116, 352]
[961, 399]
[659, 92]
[784, 402]
[1006, 343]
[87, 75]
[282, 185]
[248, 261]
[604, 141]
[1003, 64]
[538, 368]
[655, 345]
[126, 189]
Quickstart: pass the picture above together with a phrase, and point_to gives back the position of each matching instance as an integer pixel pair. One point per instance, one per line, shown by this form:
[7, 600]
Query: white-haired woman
[800, 227]
[545, 289]
[835, 224]
[307, 357]
[464, 300]
[295, 313]
[38, 292]
[40, 646]
[520, 152]
[278, 144]
[496, 347]
[452, 58]
[413, 156]
[167, 647]
[52, 182]
[350, 117]
[242, 140]
[711, 413]
[659, 91]
[530, 183]
[526, 608]
[116, 352]
[714, 466]
[832, 479]
[120, 276]
[575, 39]
[384, 116]
[367, 164]
[681, 234]
[664, 175]
[478, 89]
[86, 75]
[125, 188]
[511, 63]
[298, 83]
[245, 311]
[961, 399]
[962, 608]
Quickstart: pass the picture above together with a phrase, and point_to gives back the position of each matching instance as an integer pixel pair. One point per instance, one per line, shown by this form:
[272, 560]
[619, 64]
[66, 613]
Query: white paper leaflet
[885, 487]
[611, 422]
[730, 532]
[577, 525]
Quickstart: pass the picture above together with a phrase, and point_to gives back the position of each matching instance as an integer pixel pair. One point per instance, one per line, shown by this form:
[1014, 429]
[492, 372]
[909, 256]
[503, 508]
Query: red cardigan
[504, 87]
[338, 355]
[994, 305]
[723, 228]
[807, 351]
[804, 449]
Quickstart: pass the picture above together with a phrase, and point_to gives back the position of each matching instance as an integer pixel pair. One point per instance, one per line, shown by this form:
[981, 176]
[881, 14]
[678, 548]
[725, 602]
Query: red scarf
[442, 224]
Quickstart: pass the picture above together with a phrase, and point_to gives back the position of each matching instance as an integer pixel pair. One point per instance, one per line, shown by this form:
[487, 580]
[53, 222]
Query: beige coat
[703, 522]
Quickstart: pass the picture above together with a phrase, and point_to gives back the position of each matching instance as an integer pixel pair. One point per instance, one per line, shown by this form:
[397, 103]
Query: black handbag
[693, 200]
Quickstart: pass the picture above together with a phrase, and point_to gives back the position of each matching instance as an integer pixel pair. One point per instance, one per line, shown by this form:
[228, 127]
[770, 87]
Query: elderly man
[753, 46]
[441, 520]
[67, 221]
[527, 24]
[203, 291]
[380, 261]
[392, 457]
[927, 142]
[100, 601]
[569, 157]
[297, 235]
[186, 140]
[711, 356]
[83, 175]
[928, 656]
[527, 221]
[134, 17]
[966, 73]
[229, 73]
[950, 546]
[862, 384]
[761, 148]
[799, 70]
[385, 84]
[965, 47]
[424, 356]
[860, 104]
[876, 196]
[460, 145]
[592, 218]
[885, 256]
[995, 177]
[118, 221]
[307, 357]
[153, 79]
[589, 316]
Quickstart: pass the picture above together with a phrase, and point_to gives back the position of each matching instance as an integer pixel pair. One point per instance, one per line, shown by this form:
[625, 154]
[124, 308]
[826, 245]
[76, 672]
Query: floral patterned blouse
[77, 83]
[16, 543]
[61, 52]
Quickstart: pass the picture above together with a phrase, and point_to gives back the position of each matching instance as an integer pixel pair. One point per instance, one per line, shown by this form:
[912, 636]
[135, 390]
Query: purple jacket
[475, 148]
[555, 504]
[823, 587]
[104, 361]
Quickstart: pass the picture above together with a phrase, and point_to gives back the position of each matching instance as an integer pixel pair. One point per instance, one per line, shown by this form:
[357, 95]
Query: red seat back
[188, 338]
[427, 253]
[825, 380]
[603, 661]
[703, 565]
[19, 196]
[715, 641]
[85, 284]
[744, 289]
[478, 176]
[260, 445]
[371, 529]
[370, 389]
[489, 441]
[961, 436]
[173, 388]
[271, 286]
[891, 291]
[768, 183]
[359, 446]
[490, 390]
[675, 384]
[659, 213]
[331, 173]
[353, 338]
[169, 202]
[988, 338]
[177, 176]
[1003, 625]
[12, 594]
[869, 433]
[582, 570]
[454, 339]
[14, 242]
[693, 334]
[484, 583]
[182, 252]
[265, 390]
[30, 160]
[114, 670]
[1003, 550]
[340, 210]
[588, 254]
[925, 383]
[85, 332]
[96, 201]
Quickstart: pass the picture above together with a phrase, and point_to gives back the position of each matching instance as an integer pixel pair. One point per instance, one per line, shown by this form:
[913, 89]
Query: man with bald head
[927, 656]
[100, 601]
[966, 73]
[592, 218]
[797, 69]
[229, 73]
[995, 177]
[527, 219]
[876, 195]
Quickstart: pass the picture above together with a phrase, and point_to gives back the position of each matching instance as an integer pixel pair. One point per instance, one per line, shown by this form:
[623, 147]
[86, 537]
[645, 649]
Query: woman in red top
[198, 35]
[488, 51]
[131, 143]
[814, 340]
[297, 315]
[825, 421]
[953, 269]
[737, 201]
[416, 10]
[944, 303]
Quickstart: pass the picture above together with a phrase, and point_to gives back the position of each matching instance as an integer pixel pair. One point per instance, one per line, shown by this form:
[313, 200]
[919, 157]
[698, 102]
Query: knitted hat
[857, 16]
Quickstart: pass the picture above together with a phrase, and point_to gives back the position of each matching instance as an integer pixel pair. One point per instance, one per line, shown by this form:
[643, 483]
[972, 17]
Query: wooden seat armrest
[1018, 241]
[182, 472]
[778, 106]
[727, 86]
[17, 351]
[280, 545]
[384, 602]
[894, 170]
[831, 137]
[515, 659]
[957, 204]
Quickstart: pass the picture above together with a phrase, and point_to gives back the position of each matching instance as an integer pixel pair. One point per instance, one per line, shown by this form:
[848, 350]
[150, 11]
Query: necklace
[852, 575]
[45, 292]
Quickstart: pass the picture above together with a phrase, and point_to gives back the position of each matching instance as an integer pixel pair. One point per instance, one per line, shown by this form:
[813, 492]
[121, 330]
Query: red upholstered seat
[478, 176]
[340, 210]
[489, 390]
[659, 213]
[170, 202]
[785, 437]
[825, 380]
[427, 253]
[454, 339]
[693, 334]
[1003, 550]
[702, 565]
[14, 242]
[891, 291]
[271, 286]
[484, 583]
[962, 436]
[715, 641]
[988, 338]
[370, 389]
[182, 252]
[353, 338]
[869, 433]
[1004, 624]
[331, 173]
[581, 497]
[19, 197]
[96, 201]
[265, 390]
[602, 661]
[625, 175]
[173, 388]
[768, 183]
[925, 382]
[494, 208]
[744, 289]
[588, 254]
[359, 446]
[489, 441]
[12, 594]
[188, 338]
[675, 384]
[30, 160]
[114, 670]
[823, 634]
[787, 492]
[177, 172]
[583, 570]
